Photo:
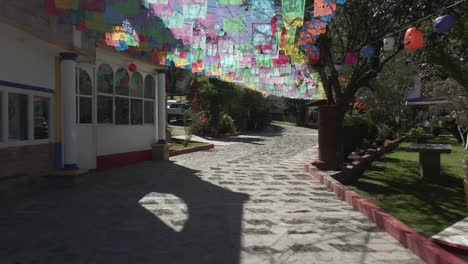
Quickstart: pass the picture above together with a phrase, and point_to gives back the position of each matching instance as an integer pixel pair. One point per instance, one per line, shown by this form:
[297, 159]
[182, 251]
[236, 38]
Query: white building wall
[26, 59]
[416, 91]
[121, 139]
[114, 139]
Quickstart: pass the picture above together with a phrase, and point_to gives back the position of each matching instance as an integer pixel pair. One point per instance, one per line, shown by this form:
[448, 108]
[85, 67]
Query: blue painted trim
[70, 167]
[58, 155]
[26, 86]
[161, 141]
[68, 56]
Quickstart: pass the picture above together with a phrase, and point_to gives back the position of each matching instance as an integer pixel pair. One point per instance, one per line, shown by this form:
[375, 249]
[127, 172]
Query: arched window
[105, 79]
[136, 85]
[136, 104]
[122, 81]
[105, 89]
[85, 85]
[85, 98]
[150, 84]
[150, 87]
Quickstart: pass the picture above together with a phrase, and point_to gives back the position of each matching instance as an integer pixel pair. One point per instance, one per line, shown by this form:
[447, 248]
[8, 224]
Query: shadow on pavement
[101, 220]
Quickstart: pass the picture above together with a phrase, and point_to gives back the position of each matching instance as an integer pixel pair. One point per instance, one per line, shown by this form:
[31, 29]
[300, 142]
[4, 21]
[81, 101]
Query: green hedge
[358, 130]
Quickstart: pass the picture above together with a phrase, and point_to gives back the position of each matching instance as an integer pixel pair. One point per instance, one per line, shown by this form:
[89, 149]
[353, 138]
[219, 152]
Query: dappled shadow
[103, 220]
[273, 131]
[400, 190]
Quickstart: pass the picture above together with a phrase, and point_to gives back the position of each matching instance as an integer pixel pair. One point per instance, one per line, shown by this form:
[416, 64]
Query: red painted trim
[122, 159]
[423, 247]
[451, 246]
[190, 150]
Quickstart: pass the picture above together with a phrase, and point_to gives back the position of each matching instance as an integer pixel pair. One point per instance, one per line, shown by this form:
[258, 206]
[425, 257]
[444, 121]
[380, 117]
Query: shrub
[200, 124]
[385, 132]
[226, 125]
[356, 130]
[435, 130]
[417, 133]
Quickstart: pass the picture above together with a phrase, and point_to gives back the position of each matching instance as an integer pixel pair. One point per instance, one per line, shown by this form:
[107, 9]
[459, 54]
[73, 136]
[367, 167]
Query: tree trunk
[330, 136]
[466, 142]
[464, 138]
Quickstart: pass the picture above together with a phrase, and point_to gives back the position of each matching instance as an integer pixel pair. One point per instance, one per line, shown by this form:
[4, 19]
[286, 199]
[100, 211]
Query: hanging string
[419, 20]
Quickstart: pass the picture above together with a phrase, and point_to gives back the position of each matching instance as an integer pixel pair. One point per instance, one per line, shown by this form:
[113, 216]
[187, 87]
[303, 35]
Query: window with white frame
[85, 98]
[17, 116]
[149, 98]
[123, 99]
[136, 101]
[105, 97]
[122, 107]
[41, 117]
[24, 115]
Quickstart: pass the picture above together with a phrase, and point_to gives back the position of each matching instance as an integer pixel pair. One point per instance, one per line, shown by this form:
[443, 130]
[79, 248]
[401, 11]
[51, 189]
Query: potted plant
[417, 134]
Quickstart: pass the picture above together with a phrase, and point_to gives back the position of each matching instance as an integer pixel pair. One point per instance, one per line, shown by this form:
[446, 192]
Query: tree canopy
[359, 23]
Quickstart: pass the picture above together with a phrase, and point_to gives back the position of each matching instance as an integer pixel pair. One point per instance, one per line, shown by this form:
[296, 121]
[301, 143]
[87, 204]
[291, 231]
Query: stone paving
[248, 202]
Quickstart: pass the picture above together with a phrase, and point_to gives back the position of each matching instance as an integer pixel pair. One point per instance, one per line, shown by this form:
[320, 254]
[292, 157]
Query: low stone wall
[21, 168]
[190, 150]
[26, 161]
[353, 171]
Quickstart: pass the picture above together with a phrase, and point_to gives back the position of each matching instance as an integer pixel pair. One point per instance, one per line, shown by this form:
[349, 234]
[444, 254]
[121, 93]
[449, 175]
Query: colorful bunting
[256, 44]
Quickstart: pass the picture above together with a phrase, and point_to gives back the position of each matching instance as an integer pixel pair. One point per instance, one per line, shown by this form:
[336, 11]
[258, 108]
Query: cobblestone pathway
[247, 202]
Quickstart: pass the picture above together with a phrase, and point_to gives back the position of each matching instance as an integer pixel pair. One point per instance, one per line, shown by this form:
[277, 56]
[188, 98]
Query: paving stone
[305, 248]
[240, 203]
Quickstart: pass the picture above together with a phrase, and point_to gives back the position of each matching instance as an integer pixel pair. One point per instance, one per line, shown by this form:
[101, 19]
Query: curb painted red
[421, 246]
[190, 150]
[450, 246]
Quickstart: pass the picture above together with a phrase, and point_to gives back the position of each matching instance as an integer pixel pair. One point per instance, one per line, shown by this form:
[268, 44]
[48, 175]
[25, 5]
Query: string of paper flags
[262, 45]
[254, 45]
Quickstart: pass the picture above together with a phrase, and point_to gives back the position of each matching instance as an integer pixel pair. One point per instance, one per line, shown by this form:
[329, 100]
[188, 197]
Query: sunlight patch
[167, 207]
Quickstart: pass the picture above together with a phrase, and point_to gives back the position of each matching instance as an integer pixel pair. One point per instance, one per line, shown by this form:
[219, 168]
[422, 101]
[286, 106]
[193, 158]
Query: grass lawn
[179, 145]
[394, 184]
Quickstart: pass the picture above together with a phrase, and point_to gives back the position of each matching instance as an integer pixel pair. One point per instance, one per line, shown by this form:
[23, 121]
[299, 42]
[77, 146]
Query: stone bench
[429, 158]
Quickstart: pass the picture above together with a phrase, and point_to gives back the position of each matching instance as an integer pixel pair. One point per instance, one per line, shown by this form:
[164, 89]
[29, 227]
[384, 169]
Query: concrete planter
[351, 172]
[190, 150]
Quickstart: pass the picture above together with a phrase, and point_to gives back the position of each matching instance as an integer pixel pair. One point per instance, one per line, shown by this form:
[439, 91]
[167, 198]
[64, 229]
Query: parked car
[177, 111]
[170, 102]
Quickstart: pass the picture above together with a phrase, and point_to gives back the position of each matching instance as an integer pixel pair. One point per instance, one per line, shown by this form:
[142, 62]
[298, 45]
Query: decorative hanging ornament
[443, 24]
[388, 44]
[351, 58]
[367, 51]
[132, 67]
[414, 39]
